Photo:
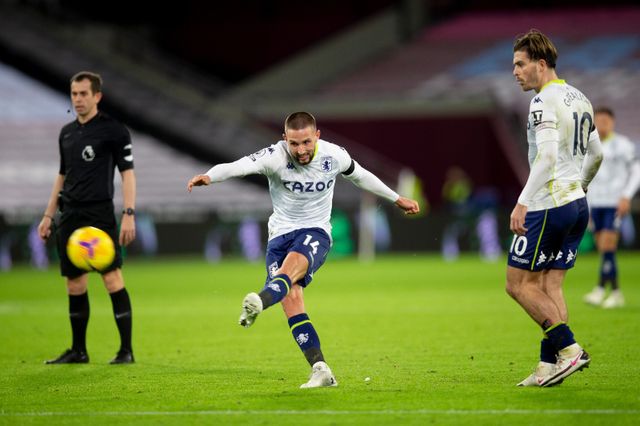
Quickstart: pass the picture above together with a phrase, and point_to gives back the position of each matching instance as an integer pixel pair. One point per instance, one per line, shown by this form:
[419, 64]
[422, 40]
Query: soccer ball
[90, 248]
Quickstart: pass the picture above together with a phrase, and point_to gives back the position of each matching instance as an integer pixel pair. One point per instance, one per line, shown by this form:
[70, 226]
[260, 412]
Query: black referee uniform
[89, 153]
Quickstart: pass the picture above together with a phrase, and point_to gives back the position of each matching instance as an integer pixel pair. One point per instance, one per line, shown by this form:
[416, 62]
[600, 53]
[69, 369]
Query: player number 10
[579, 132]
[518, 244]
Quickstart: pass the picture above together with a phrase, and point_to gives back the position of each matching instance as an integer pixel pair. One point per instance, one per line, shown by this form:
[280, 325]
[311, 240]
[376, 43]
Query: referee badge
[88, 154]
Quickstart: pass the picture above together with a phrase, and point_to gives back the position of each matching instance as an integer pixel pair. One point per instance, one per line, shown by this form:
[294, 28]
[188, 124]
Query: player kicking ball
[302, 170]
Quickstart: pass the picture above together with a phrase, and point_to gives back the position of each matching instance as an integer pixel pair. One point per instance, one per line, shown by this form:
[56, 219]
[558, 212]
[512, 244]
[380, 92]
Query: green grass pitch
[441, 342]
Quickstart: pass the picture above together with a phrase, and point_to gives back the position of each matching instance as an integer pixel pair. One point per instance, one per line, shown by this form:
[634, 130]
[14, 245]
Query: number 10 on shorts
[518, 245]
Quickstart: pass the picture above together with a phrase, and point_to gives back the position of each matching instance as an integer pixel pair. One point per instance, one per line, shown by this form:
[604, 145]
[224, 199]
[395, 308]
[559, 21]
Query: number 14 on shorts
[313, 244]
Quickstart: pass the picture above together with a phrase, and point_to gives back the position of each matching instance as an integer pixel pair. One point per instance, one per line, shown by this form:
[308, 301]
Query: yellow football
[90, 248]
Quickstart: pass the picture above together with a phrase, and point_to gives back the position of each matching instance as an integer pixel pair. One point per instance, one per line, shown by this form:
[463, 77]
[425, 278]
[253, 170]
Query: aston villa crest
[327, 164]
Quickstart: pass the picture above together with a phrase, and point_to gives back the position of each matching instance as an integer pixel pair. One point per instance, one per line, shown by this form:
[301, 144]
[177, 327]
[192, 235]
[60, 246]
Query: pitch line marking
[317, 412]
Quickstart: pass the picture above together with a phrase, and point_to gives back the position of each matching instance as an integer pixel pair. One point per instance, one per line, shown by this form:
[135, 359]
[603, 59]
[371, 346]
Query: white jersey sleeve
[366, 180]
[363, 178]
[544, 161]
[261, 162]
[342, 156]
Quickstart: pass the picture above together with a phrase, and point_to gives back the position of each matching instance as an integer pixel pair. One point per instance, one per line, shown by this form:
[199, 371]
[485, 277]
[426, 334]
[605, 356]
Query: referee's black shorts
[99, 215]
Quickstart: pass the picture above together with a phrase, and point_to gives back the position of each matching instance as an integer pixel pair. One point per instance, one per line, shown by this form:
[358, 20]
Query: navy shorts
[605, 218]
[552, 237]
[101, 216]
[312, 243]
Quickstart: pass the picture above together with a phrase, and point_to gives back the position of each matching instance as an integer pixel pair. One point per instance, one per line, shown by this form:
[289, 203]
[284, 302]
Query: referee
[90, 149]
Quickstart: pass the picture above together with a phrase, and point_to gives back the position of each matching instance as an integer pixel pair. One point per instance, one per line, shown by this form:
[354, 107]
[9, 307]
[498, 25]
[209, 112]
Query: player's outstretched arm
[408, 205]
[368, 181]
[198, 180]
[239, 168]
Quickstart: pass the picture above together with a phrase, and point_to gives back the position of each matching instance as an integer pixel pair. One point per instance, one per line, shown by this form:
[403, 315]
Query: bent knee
[515, 285]
[511, 289]
[293, 303]
[517, 279]
[292, 298]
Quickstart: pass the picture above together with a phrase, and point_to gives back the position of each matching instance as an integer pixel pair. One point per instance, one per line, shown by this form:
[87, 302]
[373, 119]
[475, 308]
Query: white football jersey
[302, 196]
[564, 108]
[607, 188]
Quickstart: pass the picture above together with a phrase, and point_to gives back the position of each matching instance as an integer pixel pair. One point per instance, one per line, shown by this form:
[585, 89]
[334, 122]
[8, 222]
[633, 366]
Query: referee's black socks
[79, 317]
[122, 314]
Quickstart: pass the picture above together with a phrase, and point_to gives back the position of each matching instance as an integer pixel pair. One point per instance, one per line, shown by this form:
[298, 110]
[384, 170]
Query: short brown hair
[94, 78]
[604, 110]
[299, 120]
[538, 46]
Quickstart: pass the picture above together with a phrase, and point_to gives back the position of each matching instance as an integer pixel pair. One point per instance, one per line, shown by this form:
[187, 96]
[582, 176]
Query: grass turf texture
[441, 342]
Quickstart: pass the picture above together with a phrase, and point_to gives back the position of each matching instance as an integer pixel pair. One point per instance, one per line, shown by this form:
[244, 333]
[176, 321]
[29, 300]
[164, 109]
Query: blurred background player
[469, 209]
[90, 148]
[302, 171]
[456, 193]
[551, 214]
[610, 195]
